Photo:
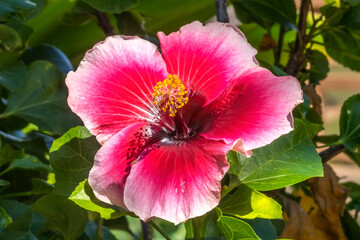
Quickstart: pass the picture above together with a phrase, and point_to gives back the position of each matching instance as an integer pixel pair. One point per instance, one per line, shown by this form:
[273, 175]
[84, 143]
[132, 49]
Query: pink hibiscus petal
[255, 110]
[206, 57]
[113, 163]
[113, 86]
[177, 181]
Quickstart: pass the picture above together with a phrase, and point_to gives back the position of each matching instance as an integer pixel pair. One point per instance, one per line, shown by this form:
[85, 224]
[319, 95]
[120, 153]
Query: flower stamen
[170, 95]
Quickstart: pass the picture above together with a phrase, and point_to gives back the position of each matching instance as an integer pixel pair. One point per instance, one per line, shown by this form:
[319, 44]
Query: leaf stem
[159, 230]
[145, 230]
[221, 11]
[17, 194]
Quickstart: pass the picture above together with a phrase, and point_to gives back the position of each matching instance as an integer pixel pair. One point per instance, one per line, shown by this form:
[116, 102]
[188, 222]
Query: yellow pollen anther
[170, 95]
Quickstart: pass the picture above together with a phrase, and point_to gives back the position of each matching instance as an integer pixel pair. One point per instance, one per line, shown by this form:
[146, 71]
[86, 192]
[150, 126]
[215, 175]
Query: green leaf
[91, 232]
[9, 8]
[4, 183]
[13, 208]
[13, 77]
[351, 18]
[42, 94]
[71, 157]
[28, 162]
[25, 221]
[7, 154]
[354, 154]
[129, 23]
[332, 14]
[246, 16]
[319, 66]
[23, 30]
[354, 194]
[112, 6]
[48, 53]
[290, 159]
[352, 2]
[62, 215]
[351, 226]
[233, 228]
[249, 204]
[10, 40]
[77, 16]
[170, 15]
[20, 227]
[350, 122]
[40, 186]
[263, 228]
[84, 197]
[312, 128]
[273, 11]
[343, 46]
[5, 219]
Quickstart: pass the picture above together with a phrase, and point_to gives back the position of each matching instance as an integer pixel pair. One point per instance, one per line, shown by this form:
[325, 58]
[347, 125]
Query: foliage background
[45, 154]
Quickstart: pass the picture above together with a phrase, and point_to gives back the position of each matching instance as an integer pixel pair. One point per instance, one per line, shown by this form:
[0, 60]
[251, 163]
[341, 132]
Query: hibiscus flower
[166, 120]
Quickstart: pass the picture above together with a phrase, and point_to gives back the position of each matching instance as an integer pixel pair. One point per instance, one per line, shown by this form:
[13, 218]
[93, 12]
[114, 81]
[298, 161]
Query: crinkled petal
[255, 110]
[177, 181]
[113, 86]
[206, 57]
[113, 163]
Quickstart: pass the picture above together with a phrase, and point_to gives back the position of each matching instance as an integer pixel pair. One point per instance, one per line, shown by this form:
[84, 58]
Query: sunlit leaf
[249, 204]
[71, 157]
[290, 159]
[234, 228]
[84, 197]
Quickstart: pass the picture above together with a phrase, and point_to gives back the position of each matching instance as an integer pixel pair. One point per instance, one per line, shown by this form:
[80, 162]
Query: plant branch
[221, 11]
[104, 23]
[145, 230]
[331, 152]
[297, 56]
[159, 230]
